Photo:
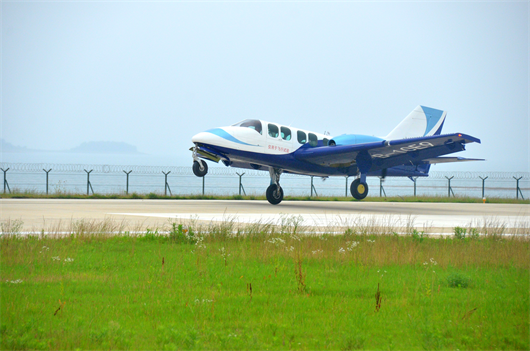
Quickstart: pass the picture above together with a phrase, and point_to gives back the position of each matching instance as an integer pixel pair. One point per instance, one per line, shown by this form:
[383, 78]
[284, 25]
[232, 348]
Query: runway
[42, 214]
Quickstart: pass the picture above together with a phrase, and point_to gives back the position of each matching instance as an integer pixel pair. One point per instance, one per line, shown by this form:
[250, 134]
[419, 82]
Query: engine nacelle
[352, 139]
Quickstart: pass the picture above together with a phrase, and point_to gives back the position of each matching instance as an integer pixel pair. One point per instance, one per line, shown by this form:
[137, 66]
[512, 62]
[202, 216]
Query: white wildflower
[18, 281]
[56, 258]
[276, 241]
[68, 259]
[200, 243]
[351, 245]
[317, 251]
[341, 250]
[223, 252]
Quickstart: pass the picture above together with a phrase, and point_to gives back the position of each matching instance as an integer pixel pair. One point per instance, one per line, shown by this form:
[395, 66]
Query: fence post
[127, 186]
[313, 188]
[88, 184]
[203, 185]
[167, 185]
[381, 189]
[5, 180]
[517, 189]
[346, 187]
[241, 184]
[483, 185]
[449, 189]
[47, 171]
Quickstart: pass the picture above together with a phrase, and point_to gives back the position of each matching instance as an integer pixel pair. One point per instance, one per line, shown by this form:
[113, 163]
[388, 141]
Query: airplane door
[279, 139]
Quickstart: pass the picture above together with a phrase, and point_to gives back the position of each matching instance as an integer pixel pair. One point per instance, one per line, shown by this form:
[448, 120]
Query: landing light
[459, 135]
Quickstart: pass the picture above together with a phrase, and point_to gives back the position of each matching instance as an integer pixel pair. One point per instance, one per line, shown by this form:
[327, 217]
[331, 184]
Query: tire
[274, 194]
[197, 168]
[359, 189]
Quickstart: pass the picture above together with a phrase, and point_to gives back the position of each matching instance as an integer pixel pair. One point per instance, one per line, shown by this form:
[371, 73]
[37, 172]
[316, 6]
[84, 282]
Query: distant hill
[8, 147]
[105, 147]
[92, 147]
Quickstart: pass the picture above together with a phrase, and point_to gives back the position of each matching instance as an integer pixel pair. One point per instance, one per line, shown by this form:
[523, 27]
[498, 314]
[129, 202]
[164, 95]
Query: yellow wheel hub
[361, 189]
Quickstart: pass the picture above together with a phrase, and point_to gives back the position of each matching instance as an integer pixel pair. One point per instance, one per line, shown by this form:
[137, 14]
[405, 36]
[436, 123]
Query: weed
[377, 299]
[180, 235]
[300, 276]
[417, 236]
[11, 227]
[460, 233]
[458, 280]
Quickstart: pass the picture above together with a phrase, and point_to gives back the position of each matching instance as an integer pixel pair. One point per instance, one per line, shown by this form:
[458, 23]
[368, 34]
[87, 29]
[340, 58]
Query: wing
[385, 154]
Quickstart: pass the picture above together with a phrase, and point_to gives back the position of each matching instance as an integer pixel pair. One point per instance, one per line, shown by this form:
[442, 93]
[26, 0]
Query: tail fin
[422, 121]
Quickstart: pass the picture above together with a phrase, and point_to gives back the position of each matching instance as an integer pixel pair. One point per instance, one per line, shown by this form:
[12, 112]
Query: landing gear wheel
[200, 169]
[274, 194]
[359, 189]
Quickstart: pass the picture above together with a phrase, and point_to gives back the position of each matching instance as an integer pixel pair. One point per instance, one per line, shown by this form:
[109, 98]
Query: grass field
[271, 288]
[31, 194]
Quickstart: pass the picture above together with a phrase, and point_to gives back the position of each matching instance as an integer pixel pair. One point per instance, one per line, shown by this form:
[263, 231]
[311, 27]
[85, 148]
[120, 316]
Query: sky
[153, 74]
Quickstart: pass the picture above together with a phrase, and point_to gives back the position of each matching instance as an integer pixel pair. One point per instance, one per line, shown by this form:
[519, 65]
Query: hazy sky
[153, 74]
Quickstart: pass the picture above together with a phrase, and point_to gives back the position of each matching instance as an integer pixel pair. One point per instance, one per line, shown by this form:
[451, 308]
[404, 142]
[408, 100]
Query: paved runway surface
[40, 214]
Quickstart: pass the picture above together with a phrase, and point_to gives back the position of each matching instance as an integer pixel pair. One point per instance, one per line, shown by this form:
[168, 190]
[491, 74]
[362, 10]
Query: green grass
[270, 288]
[31, 194]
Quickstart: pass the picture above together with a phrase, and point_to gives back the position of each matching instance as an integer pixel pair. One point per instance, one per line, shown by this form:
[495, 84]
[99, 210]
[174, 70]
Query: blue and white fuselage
[408, 150]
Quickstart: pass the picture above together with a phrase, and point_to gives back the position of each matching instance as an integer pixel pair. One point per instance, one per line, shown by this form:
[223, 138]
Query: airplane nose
[202, 137]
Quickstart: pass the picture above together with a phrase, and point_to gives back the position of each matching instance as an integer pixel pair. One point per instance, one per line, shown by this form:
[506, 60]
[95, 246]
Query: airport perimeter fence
[119, 179]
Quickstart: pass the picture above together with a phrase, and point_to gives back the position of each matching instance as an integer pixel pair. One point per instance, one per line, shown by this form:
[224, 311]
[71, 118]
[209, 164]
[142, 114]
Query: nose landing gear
[200, 168]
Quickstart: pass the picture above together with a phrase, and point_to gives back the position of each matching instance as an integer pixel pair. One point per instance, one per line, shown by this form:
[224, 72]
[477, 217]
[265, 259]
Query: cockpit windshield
[250, 123]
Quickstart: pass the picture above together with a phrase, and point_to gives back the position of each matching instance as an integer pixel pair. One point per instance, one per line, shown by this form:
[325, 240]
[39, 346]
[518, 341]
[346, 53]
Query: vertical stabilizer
[422, 121]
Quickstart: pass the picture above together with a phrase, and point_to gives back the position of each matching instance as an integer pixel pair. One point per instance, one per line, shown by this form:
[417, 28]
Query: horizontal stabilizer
[435, 160]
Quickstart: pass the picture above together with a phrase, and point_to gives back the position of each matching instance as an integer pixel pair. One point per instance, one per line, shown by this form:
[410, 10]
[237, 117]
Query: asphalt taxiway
[42, 214]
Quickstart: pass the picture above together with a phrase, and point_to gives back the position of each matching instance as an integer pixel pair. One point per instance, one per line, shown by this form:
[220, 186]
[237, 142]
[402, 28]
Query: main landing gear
[359, 189]
[274, 191]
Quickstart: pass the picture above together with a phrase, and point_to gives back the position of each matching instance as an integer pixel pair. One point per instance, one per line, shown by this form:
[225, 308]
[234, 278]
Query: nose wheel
[359, 189]
[200, 168]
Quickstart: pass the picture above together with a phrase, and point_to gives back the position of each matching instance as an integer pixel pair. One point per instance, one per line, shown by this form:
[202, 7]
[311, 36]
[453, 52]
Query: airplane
[407, 151]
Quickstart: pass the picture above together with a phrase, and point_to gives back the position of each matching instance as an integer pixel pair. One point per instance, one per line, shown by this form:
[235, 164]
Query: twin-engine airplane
[409, 150]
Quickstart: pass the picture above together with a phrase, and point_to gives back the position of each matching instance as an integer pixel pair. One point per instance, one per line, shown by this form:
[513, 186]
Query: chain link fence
[171, 180]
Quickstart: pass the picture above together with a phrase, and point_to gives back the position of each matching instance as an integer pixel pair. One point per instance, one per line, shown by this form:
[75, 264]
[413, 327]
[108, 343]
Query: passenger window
[286, 133]
[273, 130]
[302, 138]
[313, 140]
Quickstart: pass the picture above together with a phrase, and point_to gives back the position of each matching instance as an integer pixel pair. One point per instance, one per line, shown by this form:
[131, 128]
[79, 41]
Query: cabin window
[250, 123]
[273, 130]
[313, 139]
[302, 137]
[286, 133]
